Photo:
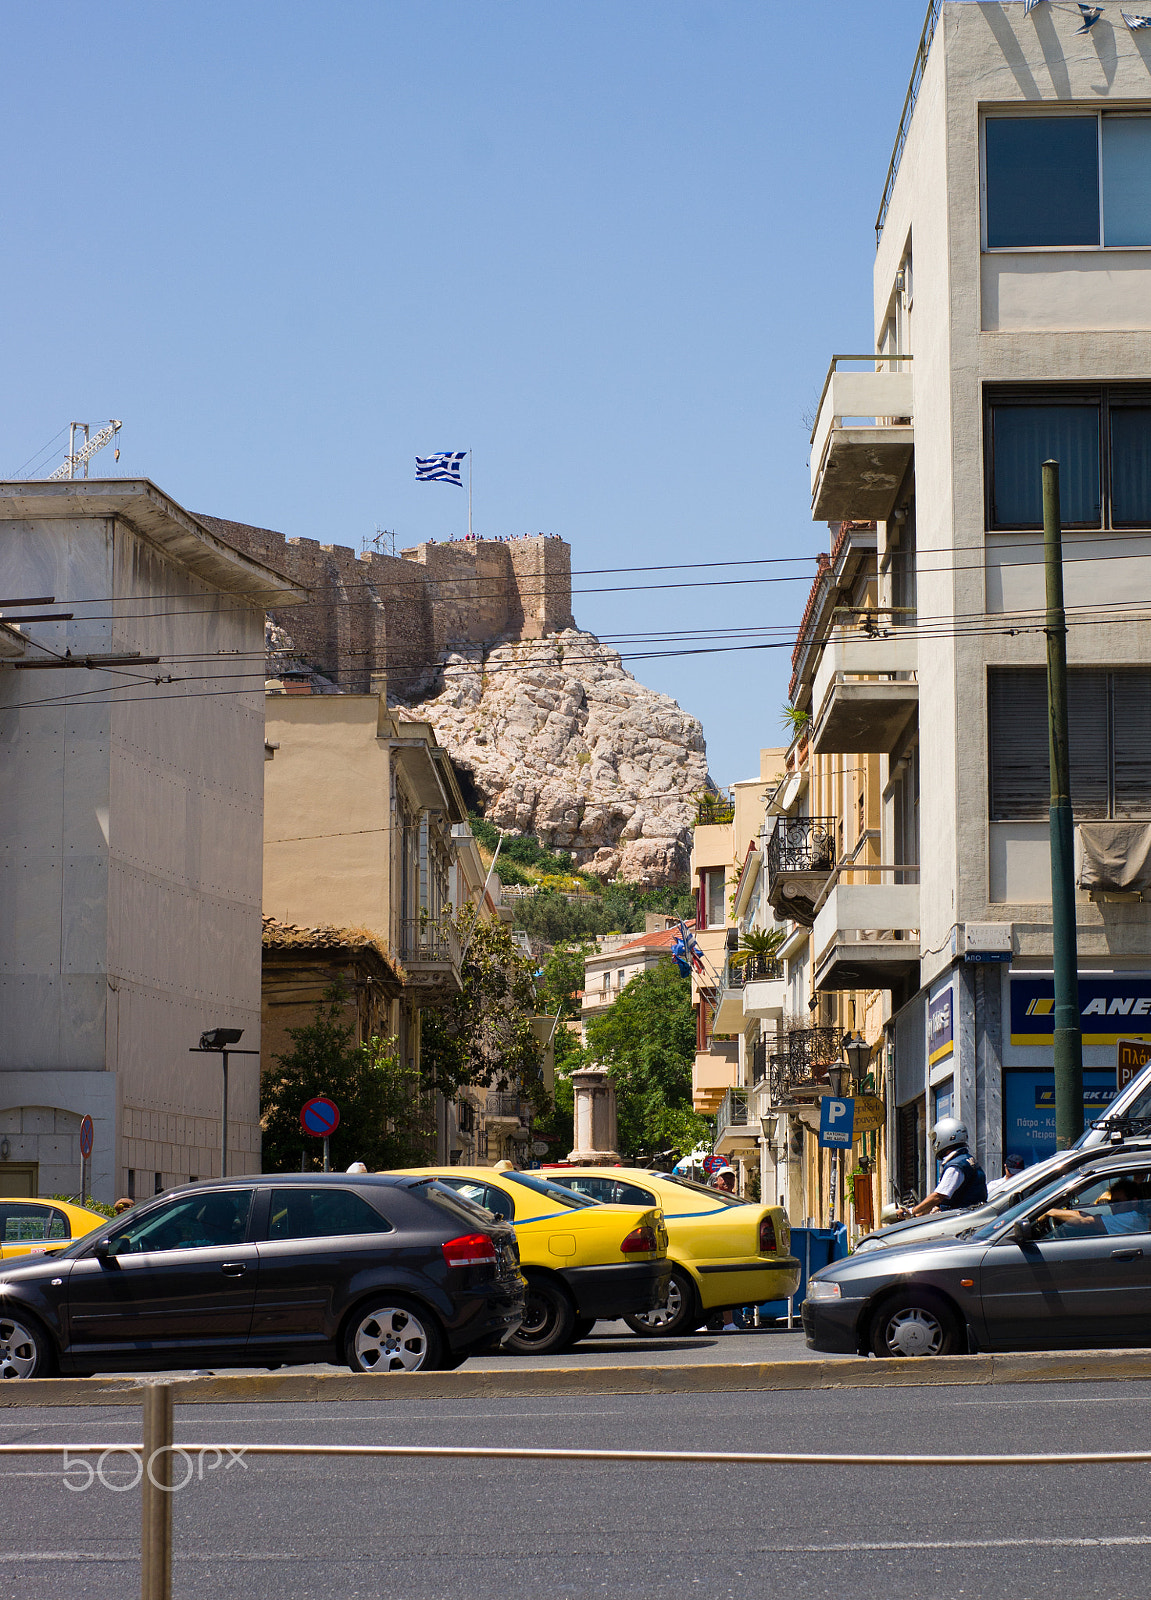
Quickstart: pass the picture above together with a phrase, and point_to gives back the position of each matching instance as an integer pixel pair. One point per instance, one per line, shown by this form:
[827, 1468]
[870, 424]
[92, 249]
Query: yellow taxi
[41, 1227]
[582, 1260]
[724, 1251]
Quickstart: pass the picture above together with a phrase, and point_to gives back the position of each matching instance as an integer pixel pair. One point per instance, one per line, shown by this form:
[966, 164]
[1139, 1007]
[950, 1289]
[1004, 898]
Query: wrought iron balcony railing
[805, 1057]
[744, 967]
[711, 808]
[508, 1106]
[801, 844]
[422, 940]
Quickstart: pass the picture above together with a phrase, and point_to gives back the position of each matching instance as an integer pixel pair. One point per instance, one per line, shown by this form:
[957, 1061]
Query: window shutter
[1087, 734]
[1017, 714]
[1132, 735]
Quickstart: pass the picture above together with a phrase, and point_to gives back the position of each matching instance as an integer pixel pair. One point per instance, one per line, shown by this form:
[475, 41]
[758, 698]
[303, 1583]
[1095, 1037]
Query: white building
[131, 801]
[1012, 322]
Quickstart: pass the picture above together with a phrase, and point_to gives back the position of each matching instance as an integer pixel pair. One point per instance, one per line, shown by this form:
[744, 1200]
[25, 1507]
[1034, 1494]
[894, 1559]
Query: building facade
[1012, 324]
[131, 806]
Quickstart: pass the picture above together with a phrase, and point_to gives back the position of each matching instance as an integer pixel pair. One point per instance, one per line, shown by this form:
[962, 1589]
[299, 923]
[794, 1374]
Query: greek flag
[444, 468]
[1135, 22]
[1090, 15]
[1029, 6]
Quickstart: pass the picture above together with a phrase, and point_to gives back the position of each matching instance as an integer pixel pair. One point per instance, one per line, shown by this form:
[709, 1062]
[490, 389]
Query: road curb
[1073, 1366]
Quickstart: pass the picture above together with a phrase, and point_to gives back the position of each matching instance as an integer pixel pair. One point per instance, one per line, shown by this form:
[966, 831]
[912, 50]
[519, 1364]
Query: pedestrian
[723, 1179]
[1013, 1166]
[123, 1204]
[961, 1183]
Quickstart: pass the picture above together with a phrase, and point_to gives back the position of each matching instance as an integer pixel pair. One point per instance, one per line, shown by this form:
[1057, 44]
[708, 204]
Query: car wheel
[583, 1326]
[393, 1335]
[680, 1312]
[25, 1349]
[914, 1325]
[549, 1320]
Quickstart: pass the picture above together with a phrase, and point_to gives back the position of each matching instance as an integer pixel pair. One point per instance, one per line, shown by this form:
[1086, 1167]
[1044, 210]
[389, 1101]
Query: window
[1109, 727]
[1043, 185]
[609, 1191]
[31, 1224]
[483, 1194]
[716, 916]
[1113, 1203]
[218, 1217]
[1101, 437]
[321, 1214]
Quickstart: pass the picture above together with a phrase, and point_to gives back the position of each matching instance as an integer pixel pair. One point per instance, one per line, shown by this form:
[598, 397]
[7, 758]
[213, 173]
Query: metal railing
[733, 1111]
[934, 8]
[744, 967]
[710, 808]
[805, 1057]
[507, 1105]
[422, 939]
[801, 844]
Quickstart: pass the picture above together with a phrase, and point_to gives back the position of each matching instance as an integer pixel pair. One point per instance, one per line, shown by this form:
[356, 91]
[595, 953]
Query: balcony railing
[423, 940]
[507, 1106]
[732, 1113]
[747, 967]
[805, 1058]
[713, 808]
[801, 844]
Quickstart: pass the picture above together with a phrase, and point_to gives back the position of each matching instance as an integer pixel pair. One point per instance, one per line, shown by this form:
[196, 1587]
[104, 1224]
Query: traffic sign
[539, 1148]
[714, 1163]
[320, 1117]
[836, 1123]
[1131, 1056]
[86, 1137]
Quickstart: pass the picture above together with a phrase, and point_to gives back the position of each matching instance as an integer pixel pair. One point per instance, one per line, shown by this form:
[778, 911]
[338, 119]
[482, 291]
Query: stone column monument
[595, 1125]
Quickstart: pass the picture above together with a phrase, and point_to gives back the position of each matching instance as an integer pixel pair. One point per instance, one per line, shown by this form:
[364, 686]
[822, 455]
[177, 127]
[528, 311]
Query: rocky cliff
[562, 742]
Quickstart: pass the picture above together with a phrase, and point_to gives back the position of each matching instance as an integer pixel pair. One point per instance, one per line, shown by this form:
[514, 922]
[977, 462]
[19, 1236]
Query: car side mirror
[1022, 1232]
[103, 1252]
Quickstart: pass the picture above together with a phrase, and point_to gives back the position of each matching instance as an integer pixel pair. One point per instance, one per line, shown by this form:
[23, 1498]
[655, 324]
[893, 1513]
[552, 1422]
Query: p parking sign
[836, 1123]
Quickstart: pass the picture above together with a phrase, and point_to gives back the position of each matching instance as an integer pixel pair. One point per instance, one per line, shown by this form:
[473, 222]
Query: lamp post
[858, 1053]
[222, 1042]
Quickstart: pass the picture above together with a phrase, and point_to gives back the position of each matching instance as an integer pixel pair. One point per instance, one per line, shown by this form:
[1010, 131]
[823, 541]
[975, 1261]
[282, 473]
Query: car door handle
[233, 1269]
[1126, 1255]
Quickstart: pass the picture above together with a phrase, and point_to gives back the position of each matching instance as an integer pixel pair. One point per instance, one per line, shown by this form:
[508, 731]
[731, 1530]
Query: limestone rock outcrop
[563, 743]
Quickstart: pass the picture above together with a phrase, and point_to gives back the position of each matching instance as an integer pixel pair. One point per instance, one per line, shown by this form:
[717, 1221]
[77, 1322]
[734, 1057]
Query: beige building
[130, 802]
[620, 957]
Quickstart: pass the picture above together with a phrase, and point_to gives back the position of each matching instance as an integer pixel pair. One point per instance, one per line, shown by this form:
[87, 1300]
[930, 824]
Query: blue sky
[609, 245]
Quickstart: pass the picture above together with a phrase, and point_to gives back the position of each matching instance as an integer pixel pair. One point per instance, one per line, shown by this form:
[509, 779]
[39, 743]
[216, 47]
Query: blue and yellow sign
[1111, 1007]
[1029, 1110]
[941, 1026]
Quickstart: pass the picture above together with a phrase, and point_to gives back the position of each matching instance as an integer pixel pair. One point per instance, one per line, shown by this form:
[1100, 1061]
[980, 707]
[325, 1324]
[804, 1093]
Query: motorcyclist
[962, 1182]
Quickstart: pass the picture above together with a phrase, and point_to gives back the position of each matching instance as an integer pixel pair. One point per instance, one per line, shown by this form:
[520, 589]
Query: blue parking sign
[836, 1123]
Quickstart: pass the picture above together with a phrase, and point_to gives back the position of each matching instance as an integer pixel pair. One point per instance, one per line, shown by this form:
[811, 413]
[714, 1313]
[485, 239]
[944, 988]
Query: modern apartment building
[1012, 324]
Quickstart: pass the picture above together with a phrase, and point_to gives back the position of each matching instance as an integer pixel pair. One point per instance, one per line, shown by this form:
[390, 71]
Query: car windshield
[719, 1195]
[552, 1191]
[1138, 1110]
[1017, 1210]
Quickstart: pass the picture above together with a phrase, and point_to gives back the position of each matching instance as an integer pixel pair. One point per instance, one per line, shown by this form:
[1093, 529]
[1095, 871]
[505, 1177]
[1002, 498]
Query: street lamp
[221, 1041]
[858, 1053]
[835, 1079]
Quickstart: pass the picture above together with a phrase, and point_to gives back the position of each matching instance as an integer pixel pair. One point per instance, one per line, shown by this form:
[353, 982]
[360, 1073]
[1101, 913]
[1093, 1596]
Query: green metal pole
[1068, 1035]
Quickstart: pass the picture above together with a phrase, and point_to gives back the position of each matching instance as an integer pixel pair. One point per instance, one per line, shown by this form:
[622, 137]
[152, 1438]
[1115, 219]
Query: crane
[80, 458]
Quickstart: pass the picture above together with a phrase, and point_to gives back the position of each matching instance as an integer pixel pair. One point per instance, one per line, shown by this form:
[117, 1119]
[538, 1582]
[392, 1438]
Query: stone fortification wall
[397, 615]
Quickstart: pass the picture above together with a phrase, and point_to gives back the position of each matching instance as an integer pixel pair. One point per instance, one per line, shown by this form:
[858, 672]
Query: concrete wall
[130, 862]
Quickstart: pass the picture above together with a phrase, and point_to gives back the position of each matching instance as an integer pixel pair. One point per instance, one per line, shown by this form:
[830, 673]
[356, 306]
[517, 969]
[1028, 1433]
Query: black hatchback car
[1066, 1268]
[388, 1274]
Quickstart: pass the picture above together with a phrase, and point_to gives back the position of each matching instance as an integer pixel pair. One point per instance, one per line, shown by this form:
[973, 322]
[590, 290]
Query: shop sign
[1029, 1110]
[1111, 1008]
[1131, 1056]
[940, 1026]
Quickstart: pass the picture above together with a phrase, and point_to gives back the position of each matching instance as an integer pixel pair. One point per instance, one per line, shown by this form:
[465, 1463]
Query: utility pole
[1068, 1040]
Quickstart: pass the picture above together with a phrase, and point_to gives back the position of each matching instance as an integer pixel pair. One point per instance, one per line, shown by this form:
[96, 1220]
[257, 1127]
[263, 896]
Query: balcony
[866, 935]
[865, 692]
[800, 859]
[734, 1129]
[798, 1071]
[713, 810]
[430, 953]
[764, 989]
[713, 1073]
[507, 1108]
[857, 467]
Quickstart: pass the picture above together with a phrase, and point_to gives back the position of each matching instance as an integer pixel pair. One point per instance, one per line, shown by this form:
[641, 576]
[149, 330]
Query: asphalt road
[267, 1529]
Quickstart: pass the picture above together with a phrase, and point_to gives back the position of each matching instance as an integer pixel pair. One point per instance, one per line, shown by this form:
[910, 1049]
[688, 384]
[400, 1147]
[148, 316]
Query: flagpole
[469, 494]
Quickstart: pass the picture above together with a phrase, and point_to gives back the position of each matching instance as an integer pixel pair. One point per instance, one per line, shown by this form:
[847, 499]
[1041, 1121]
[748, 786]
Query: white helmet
[949, 1133]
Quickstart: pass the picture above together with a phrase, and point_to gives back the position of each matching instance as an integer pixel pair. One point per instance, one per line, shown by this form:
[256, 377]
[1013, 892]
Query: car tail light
[767, 1242]
[640, 1239]
[470, 1250]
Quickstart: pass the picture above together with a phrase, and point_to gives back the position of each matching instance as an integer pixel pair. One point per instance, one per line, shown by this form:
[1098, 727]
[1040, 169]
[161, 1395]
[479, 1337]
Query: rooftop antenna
[80, 458]
[384, 542]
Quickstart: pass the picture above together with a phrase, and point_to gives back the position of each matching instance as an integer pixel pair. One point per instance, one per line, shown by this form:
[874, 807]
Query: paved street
[294, 1530]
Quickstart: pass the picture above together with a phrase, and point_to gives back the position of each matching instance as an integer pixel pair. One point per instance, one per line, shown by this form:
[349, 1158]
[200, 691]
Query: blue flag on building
[1029, 6]
[444, 468]
[1135, 22]
[1090, 15]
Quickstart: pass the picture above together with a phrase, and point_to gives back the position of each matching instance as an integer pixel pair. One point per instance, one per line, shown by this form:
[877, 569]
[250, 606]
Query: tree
[386, 1116]
[483, 1035]
[646, 1040]
[560, 990]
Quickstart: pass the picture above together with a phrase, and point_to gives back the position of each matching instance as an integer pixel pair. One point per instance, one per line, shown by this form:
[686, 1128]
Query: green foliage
[646, 1039]
[386, 1114]
[523, 849]
[485, 832]
[618, 908]
[483, 1035]
[794, 720]
[508, 872]
[759, 944]
[86, 1203]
